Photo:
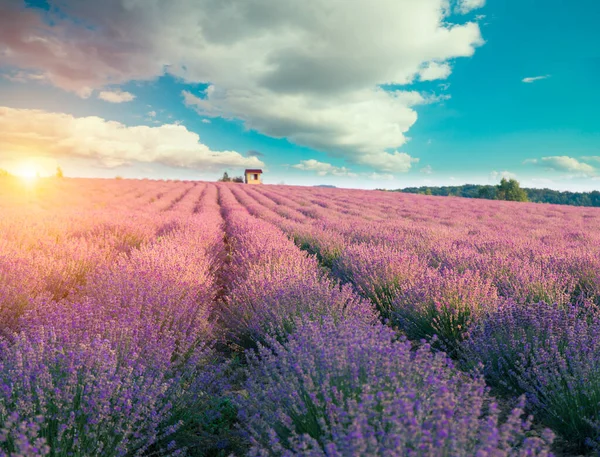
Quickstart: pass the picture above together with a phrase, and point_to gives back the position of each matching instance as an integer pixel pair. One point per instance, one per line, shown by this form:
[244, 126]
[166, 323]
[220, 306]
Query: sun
[28, 171]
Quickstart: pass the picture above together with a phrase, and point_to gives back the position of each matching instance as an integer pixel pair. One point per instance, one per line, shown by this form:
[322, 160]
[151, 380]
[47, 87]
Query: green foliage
[491, 193]
[4, 173]
[509, 189]
[225, 178]
[238, 179]
[487, 192]
[59, 173]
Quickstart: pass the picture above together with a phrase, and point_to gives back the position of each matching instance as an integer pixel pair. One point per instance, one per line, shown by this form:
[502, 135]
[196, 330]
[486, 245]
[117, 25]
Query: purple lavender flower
[550, 353]
[348, 389]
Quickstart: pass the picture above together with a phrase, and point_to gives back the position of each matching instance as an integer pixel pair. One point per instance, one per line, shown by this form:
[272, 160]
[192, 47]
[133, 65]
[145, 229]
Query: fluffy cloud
[564, 164]
[466, 6]
[426, 170]
[323, 169]
[309, 71]
[26, 132]
[115, 96]
[359, 128]
[496, 176]
[327, 169]
[532, 79]
[433, 70]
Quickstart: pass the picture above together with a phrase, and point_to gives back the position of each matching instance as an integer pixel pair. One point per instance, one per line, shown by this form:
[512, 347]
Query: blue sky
[388, 94]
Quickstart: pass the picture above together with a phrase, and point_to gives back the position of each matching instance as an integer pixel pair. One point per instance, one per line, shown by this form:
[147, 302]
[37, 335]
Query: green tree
[59, 173]
[238, 179]
[225, 178]
[509, 189]
[487, 192]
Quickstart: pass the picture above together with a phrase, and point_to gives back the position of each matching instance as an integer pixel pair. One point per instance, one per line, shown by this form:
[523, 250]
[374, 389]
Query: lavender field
[155, 318]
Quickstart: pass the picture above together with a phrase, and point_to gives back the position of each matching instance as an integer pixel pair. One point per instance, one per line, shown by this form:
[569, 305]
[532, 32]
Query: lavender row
[500, 300]
[123, 365]
[272, 283]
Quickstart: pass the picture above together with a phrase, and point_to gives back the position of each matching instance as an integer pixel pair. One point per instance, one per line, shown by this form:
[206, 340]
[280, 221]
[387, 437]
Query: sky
[352, 93]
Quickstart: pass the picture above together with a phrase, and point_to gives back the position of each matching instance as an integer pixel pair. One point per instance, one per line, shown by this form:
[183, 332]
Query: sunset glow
[286, 228]
[28, 172]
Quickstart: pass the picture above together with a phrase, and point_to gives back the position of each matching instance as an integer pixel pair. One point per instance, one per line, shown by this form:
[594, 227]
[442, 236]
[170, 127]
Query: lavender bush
[379, 272]
[445, 303]
[552, 354]
[91, 404]
[350, 389]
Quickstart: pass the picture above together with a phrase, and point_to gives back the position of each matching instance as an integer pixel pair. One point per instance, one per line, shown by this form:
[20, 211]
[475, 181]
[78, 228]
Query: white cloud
[563, 164]
[434, 70]
[426, 170]
[206, 121]
[115, 96]
[152, 113]
[308, 71]
[25, 132]
[466, 6]
[327, 169]
[534, 78]
[380, 176]
[358, 129]
[496, 176]
[323, 169]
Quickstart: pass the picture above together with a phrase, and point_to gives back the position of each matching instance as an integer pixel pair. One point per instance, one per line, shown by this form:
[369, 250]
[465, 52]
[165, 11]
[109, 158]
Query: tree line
[227, 178]
[510, 189]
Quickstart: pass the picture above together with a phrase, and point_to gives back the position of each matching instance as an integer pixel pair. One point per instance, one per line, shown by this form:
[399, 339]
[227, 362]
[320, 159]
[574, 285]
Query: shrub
[445, 303]
[351, 389]
[90, 402]
[379, 272]
[550, 353]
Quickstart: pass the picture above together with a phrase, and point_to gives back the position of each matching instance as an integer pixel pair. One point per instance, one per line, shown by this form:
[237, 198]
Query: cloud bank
[309, 71]
[25, 132]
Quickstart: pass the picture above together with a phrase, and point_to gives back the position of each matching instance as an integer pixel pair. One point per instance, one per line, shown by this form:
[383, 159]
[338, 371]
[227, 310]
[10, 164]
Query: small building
[253, 176]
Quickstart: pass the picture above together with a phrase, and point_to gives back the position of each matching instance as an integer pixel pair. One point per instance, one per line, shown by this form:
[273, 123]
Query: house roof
[253, 170]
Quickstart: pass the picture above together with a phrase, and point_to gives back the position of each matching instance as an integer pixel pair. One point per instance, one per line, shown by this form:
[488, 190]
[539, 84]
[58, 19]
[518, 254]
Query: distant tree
[509, 189]
[225, 178]
[3, 172]
[487, 192]
[503, 190]
[118, 177]
[239, 179]
[59, 173]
